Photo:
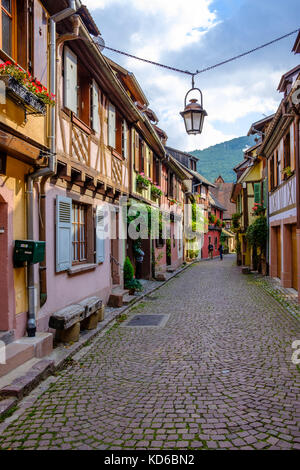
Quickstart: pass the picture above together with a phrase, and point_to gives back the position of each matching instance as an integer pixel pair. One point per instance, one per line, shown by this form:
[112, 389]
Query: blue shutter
[63, 233]
[100, 235]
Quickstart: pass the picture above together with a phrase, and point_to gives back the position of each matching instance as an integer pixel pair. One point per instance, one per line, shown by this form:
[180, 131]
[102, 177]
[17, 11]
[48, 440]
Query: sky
[192, 35]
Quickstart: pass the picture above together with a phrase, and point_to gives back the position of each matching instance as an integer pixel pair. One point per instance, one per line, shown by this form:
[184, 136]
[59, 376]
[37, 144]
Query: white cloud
[179, 23]
[158, 29]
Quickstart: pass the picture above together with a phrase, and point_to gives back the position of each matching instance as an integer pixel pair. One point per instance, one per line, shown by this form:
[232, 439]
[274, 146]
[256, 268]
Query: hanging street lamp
[193, 113]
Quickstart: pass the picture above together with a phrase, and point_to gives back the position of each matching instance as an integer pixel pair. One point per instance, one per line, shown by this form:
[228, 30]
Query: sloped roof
[172, 150]
[222, 192]
[201, 178]
[214, 202]
[228, 234]
[296, 47]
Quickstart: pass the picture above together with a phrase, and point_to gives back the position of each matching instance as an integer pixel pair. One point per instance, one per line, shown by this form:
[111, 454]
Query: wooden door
[294, 259]
[278, 251]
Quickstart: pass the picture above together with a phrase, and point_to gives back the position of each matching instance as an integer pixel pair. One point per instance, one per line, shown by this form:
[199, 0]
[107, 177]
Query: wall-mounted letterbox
[28, 251]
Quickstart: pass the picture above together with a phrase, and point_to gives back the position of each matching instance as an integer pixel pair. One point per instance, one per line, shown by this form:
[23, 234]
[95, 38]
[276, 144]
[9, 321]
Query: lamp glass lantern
[193, 113]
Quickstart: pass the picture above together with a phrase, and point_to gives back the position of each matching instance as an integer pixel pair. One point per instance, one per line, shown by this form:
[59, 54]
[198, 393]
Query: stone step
[7, 337]
[116, 297]
[15, 355]
[24, 349]
[171, 270]
[128, 299]
[28, 378]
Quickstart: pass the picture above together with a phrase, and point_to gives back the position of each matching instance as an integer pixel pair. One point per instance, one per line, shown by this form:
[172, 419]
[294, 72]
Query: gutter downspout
[44, 172]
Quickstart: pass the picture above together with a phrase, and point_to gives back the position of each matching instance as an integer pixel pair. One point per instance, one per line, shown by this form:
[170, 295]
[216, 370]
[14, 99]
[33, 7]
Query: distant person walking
[221, 252]
[211, 251]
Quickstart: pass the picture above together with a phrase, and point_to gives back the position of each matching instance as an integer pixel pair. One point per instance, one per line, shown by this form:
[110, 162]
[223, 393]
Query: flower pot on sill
[142, 185]
[21, 96]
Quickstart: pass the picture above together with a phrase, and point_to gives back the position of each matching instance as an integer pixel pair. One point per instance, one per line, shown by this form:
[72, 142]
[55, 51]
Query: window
[278, 180]
[117, 131]
[287, 151]
[79, 233]
[7, 26]
[124, 139]
[216, 243]
[171, 185]
[81, 92]
[272, 179]
[142, 156]
[24, 35]
[156, 171]
[83, 95]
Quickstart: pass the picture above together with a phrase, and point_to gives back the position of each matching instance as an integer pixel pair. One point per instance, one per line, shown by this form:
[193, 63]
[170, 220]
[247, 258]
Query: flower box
[142, 184]
[20, 95]
[156, 192]
[142, 181]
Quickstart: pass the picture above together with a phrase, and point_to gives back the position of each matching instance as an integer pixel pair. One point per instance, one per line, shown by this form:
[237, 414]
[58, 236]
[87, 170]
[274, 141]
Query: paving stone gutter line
[22, 386]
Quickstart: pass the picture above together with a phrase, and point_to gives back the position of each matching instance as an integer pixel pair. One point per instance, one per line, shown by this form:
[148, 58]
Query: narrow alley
[216, 374]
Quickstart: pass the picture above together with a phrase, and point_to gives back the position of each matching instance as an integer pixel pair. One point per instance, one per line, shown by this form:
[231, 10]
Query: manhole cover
[147, 320]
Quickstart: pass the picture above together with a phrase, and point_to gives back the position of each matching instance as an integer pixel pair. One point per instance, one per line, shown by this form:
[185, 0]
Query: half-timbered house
[281, 148]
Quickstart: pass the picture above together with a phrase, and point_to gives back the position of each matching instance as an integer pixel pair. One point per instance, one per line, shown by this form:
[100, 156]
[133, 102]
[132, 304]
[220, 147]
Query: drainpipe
[44, 172]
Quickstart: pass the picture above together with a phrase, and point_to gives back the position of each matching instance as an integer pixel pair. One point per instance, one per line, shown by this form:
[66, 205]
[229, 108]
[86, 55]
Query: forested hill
[220, 159]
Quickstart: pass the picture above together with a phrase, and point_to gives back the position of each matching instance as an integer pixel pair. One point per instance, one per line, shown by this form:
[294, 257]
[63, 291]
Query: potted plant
[218, 223]
[133, 286]
[212, 218]
[156, 191]
[128, 271]
[287, 171]
[258, 209]
[142, 181]
[21, 86]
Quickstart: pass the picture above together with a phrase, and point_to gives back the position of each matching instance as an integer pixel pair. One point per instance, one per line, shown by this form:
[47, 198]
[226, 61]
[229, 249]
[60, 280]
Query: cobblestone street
[218, 375]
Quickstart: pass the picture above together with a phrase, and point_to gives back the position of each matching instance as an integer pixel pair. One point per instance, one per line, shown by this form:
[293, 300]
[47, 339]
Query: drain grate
[147, 321]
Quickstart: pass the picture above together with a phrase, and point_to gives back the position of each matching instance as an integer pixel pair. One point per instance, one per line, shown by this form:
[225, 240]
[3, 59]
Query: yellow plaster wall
[15, 181]
[13, 116]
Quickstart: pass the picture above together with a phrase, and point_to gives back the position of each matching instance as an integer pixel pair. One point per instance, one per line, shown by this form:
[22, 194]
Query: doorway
[278, 240]
[294, 258]
[4, 307]
[115, 249]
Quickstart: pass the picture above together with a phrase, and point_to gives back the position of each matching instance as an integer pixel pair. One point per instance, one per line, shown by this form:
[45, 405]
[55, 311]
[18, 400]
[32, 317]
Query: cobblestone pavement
[218, 375]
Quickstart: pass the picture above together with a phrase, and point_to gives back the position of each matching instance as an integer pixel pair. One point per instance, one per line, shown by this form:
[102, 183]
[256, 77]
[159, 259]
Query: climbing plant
[257, 233]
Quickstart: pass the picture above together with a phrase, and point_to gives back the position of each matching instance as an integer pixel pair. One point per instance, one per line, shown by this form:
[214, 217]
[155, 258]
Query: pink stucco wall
[63, 289]
[7, 302]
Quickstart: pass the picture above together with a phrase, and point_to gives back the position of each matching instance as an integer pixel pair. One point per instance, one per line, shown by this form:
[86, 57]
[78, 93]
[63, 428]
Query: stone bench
[82, 316]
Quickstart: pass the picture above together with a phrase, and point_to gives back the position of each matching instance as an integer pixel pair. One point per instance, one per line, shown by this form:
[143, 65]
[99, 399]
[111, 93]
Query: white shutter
[70, 80]
[100, 235]
[125, 131]
[111, 125]
[63, 233]
[95, 107]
